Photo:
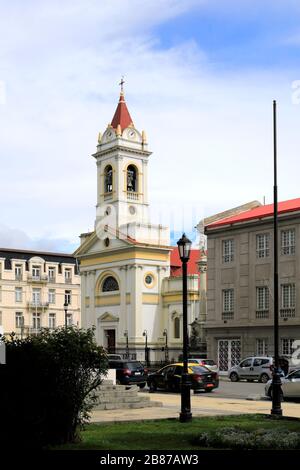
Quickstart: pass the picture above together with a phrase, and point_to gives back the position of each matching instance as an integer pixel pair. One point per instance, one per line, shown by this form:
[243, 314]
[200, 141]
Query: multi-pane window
[52, 320]
[18, 272]
[0, 270]
[262, 298]
[51, 274]
[287, 346]
[68, 276]
[36, 272]
[263, 245]
[36, 321]
[288, 242]
[177, 328]
[18, 294]
[288, 295]
[51, 296]
[36, 296]
[261, 347]
[69, 319]
[228, 300]
[19, 319]
[68, 297]
[228, 251]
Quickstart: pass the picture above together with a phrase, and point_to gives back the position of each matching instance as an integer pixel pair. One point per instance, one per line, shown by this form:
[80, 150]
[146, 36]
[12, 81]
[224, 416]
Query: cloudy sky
[200, 79]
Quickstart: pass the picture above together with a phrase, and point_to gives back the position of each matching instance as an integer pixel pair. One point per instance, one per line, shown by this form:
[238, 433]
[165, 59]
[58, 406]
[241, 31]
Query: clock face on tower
[131, 134]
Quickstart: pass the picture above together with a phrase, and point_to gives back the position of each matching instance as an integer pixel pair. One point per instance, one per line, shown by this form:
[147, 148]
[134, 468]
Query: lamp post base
[185, 413]
[185, 416]
[276, 394]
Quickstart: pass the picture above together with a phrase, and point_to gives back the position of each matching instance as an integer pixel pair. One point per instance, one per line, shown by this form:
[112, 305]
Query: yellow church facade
[127, 291]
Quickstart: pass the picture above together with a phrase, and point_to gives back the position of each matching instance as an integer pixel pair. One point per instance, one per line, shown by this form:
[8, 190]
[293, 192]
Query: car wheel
[152, 387]
[264, 378]
[142, 385]
[234, 377]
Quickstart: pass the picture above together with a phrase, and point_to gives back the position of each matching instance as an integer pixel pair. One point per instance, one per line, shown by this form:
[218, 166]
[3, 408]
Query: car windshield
[133, 365]
[199, 369]
[209, 362]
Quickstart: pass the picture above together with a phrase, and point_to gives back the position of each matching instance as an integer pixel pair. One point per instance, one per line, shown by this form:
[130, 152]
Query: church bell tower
[122, 172]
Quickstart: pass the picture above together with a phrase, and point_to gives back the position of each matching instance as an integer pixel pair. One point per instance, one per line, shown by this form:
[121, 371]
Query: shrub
[237, 438]
[46, 386]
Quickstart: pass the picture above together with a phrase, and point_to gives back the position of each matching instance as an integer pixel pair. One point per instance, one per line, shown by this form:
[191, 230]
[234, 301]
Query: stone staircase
[114, 397]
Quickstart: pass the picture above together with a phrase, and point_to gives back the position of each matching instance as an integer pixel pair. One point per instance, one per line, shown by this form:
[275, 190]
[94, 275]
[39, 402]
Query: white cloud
[210, 133]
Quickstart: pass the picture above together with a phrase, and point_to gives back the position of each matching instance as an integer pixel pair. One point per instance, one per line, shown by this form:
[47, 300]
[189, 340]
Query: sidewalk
[202, 405]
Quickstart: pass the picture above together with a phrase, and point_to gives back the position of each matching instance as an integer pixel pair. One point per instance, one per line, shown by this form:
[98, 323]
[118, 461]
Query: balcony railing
[287, 312]
[19, 277]
[262, 314]
[133, 196]
[41, 278]
[51, 279]
[68, 280]
[227, 315]
[37, 304]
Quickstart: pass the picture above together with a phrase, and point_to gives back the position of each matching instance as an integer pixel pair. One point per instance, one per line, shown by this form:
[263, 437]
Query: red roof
[121, 115]
[176, 267]
[258, 213]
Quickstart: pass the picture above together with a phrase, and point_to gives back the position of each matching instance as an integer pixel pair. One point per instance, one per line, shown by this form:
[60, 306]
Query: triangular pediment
[105, 242]
[108, 317]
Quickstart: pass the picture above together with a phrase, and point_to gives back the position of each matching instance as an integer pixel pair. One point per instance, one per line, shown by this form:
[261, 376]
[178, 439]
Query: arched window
[108, 179]
[177, 328]
[110, 284]
[132, 178]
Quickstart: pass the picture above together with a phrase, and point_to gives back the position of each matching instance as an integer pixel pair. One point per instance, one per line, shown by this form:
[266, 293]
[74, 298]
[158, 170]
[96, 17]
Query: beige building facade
[240, 283]
[34, 286]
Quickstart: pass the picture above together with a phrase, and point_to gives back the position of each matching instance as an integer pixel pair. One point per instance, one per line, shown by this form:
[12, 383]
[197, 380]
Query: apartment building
[240, 282]
[34, 286]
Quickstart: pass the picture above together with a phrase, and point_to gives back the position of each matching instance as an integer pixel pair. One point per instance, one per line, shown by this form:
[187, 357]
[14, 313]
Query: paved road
[229, 389]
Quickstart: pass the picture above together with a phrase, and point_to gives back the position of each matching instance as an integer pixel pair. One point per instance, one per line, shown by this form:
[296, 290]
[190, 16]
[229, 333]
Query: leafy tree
[47, 384]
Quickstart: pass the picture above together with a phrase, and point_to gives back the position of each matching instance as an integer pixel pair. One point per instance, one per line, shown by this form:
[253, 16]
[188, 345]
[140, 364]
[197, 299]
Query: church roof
[121, 116]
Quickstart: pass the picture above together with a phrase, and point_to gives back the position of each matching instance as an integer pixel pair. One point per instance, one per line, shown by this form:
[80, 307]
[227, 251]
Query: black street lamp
[66, 313]
[127, 345]
[165, 334]
[276, 381]
[145, 333]
[184, 248]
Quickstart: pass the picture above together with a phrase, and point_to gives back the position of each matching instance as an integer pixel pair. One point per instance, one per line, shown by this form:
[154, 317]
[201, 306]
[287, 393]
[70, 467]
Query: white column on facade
[123, 310]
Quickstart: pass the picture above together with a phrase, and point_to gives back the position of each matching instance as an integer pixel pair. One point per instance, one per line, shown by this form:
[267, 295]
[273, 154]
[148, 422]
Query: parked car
[290, 385]
[169, 378]
[208, 363]
[114, 357]
[252, 368]
[129, 372]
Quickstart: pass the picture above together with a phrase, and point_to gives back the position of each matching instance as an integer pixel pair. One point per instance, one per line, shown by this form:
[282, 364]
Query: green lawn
[168, 434]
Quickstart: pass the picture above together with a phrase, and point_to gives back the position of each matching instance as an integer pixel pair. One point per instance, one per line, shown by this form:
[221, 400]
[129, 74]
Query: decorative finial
[122, 83]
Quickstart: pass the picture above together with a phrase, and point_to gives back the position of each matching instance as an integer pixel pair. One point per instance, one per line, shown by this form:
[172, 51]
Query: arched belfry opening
[108, 179]
[132, 182]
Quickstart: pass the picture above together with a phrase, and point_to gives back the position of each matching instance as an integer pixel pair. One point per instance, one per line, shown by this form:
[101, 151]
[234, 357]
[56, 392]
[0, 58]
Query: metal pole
[185, 414]
[276, 381]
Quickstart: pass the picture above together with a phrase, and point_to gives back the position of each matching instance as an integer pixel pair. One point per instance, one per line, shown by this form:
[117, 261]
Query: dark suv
[129, 372]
